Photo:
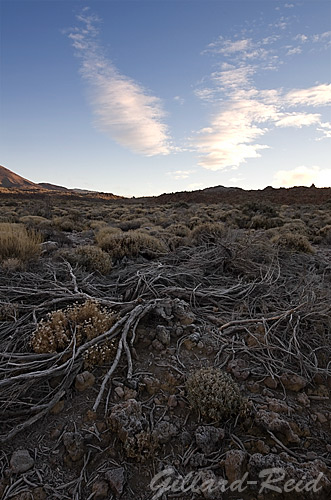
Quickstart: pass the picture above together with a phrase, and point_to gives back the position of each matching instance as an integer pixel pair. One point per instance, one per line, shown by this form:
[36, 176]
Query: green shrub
[214, 394]
[89, 257]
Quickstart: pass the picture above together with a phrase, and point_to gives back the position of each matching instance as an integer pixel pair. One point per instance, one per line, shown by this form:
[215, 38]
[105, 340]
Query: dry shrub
[65, 224]
[131, 224]
[179, 230]
[17, 242]
[79, 323]
[208, 232]
[131, 244]
[97, 224]
[295, 226]
[90, 257]
[293, 241]
[104, 234]
[214, 394]
[264, 222]
[325, 234]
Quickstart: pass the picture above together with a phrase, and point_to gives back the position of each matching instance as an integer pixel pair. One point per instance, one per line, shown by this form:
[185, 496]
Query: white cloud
[180, 174]
[325, 129]
[179, 99]
[242, 49]
[313, 96]
[233, 77]
[123, 108]
[322, 38]
[229, 140]
[294, 51]
[239, 108]
[301, 38]
[303, 176]
[194, 185]
[298, 119]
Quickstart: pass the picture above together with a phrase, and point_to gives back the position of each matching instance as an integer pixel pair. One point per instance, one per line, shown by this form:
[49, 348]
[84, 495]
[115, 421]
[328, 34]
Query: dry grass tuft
[293, 241]
[17, 242]
[130, 244]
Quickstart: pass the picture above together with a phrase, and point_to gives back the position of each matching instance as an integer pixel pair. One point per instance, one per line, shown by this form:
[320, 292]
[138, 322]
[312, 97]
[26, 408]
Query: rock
[39, 493]
[253, 387]
[178, 331]
[278, 406]
[100, 490]
[292, 471]
[157, 345]
[21, 461]
[198, 460]
[172, 401]
[271, 421]
[116, 480]
[293, 382]
[210, 485]
[90, 416]
[49, 246]
[181, 311]
[84, 381]
[261, 447]
[152, 385]
[303, 399]
[235, 464]
[270, 382]
[189, 344]
[208, 438]
[321, 417]
[239, 369]
[74, 444]
[56, 432]
[163, 335]
[164, 431]
[119, 391]
[129, 393]
[127, 420]
[57, 408]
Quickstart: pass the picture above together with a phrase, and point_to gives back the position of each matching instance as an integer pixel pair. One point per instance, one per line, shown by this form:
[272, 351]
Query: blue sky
[145, 97]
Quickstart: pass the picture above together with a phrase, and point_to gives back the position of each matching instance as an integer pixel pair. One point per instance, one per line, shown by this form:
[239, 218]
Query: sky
[140, 97]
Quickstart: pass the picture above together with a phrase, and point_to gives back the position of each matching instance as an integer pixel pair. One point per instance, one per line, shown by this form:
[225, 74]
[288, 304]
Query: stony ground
[75, 431]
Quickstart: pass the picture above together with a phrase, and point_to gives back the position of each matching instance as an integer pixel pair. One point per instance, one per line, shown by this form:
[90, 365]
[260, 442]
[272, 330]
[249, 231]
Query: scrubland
[137, 335]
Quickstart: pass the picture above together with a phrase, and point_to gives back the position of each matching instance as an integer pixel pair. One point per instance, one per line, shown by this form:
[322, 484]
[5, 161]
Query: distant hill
[10, 180]
[13, 184]
[221, 194]
[52, 187]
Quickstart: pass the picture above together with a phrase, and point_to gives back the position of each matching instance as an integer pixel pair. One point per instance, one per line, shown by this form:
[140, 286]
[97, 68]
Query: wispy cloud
[325, 129]
[303, 176]
[124, 109]
[298, 119]
[180, 174]
[313, 96]
[229, 140]
[243, 114]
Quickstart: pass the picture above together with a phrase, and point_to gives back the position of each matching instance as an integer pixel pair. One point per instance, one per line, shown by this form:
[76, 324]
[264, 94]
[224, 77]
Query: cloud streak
[303, 176]
[122, 107]
[242, 114]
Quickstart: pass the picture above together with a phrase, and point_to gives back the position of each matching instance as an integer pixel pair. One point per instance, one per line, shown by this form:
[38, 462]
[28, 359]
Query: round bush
[214, 394]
